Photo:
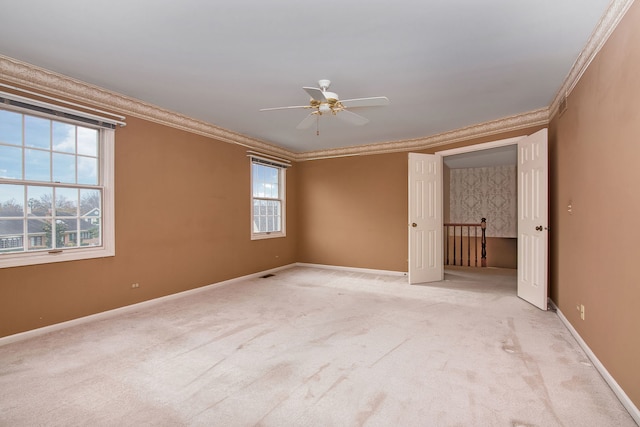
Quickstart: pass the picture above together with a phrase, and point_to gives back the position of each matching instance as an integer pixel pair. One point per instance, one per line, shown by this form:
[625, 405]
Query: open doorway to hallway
[426, 241]
[481, 184]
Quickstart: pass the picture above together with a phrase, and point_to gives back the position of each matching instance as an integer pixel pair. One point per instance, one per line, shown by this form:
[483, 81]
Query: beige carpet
[313, 347]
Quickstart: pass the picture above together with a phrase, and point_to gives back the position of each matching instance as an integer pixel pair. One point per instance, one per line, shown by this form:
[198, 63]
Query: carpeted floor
[314, 347]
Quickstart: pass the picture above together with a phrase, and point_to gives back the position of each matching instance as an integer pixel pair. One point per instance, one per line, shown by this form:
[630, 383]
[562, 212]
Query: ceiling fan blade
[352, 118]
[285, 108]
[376, 101]
[308, 121]
[315, 93]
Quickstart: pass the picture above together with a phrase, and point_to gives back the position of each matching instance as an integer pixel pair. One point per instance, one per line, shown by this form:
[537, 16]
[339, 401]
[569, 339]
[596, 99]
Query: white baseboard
[619, 392]
[352, 269]
[130, 308]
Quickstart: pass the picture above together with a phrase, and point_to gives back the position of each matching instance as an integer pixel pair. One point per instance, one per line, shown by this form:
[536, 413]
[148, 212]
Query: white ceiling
[443, 64]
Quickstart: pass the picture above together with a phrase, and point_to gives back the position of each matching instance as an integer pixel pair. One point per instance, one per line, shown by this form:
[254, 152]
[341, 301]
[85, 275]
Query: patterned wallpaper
[490, 193]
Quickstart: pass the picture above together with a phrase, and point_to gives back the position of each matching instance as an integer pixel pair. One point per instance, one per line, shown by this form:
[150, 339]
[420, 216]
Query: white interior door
[533, 222]
[425, 218]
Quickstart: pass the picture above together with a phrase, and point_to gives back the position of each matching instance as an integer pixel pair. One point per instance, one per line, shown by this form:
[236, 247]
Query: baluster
[454, 245]
[461, 263]
[468, 246]
[475, 240]
[483, 226]
[446, 243]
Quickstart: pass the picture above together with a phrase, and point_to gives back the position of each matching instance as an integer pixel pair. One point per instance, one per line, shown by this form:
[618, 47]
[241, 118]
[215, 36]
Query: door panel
[425, 218]
[533, 237]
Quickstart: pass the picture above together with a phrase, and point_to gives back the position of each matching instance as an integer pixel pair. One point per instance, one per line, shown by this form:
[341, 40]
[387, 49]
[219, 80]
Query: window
[268, 198]
[56, 186]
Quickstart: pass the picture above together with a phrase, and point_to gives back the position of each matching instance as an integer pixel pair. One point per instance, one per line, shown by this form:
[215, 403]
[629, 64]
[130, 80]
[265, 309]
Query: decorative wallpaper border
[49, 82]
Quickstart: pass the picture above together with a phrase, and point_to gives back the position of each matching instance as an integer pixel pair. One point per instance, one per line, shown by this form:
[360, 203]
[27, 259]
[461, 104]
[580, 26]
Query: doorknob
[539, 228]
[414, 224]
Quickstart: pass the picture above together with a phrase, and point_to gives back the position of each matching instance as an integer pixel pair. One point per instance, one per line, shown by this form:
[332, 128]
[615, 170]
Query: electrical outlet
[582, 311]
[135, 285]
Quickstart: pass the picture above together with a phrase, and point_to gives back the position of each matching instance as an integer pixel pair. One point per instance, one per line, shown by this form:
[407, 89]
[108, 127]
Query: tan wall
[594, 150]
[182, 221]
[502, 252]
[354, 210]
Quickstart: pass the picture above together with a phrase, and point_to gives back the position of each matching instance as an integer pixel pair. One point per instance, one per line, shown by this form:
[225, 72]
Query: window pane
[11, 162]
[39, 200]
[87, 170]
[265, 181]
[61, 229]
[66, 202]
[11, 235]
[266, 216]
[10, 127]
[40, 233]
[37, 132]
[90, 231]
[37, 241]
[64, 137]
[87, 141]
[37, 165]
[90, 203]
[11, 200]
[68, 232]
[64, 168]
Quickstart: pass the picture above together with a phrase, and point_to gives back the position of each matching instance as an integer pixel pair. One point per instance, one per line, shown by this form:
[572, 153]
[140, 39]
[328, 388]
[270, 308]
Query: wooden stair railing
[458, 243]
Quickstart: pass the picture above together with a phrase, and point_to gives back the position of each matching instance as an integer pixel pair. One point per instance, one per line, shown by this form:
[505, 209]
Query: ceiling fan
[325, 102]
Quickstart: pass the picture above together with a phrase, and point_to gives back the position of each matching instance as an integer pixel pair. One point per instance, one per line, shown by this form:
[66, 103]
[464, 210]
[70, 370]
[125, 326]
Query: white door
[533, 238]
[425, 218]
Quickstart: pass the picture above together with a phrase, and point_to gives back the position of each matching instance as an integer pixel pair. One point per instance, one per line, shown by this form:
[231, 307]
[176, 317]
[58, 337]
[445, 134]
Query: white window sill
[261, 236]
[35, 258]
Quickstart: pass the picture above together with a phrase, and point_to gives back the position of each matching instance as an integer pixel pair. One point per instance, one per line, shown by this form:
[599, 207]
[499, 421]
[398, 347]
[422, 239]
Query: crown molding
[33, 77]
[605, 27]
[538, 117]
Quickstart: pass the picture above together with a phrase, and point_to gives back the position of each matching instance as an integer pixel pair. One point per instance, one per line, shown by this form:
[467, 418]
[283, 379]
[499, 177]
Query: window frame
[281, 167]
[106, 182]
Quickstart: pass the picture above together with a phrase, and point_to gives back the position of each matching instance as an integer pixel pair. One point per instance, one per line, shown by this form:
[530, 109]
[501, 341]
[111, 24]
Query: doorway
[532, 194]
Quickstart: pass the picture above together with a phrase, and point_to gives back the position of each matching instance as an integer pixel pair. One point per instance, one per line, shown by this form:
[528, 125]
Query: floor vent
[267, 276]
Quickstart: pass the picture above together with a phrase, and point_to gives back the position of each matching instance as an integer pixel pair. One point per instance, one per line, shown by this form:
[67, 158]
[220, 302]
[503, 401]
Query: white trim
[276, 161]
[619, 392]
[478, 147]
[58, 100]
[130, 308]
[352, 269]
[58, 108]
[282, 182]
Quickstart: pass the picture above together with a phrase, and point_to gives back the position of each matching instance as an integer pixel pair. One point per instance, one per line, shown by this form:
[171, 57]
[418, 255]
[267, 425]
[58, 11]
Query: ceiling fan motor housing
[324, 84]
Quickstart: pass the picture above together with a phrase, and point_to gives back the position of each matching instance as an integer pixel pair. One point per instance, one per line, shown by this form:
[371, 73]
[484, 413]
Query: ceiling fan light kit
[324, 102]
